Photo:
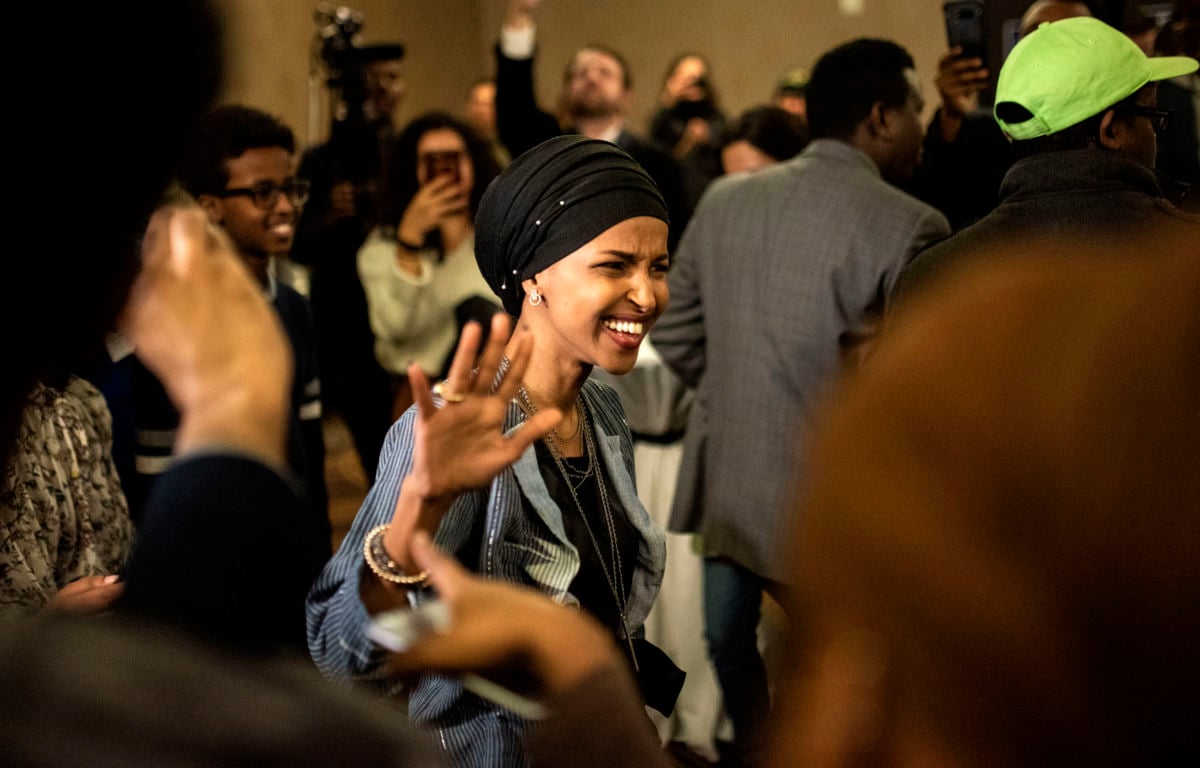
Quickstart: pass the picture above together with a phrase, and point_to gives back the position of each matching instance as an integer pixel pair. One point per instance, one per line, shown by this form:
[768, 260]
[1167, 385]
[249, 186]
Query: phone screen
[964, 27]
[441, 164]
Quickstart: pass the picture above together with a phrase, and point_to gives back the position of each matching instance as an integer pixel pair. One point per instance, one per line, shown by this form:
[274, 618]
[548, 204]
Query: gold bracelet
[383, 566]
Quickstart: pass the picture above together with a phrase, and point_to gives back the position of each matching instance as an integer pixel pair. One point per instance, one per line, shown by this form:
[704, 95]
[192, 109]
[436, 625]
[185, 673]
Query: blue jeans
[732, 607]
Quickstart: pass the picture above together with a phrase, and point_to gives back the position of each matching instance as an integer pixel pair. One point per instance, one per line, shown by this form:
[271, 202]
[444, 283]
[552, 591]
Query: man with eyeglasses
[1078, 100]
[239, 169]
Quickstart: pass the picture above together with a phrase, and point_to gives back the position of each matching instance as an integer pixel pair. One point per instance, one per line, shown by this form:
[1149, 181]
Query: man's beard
[593, 106]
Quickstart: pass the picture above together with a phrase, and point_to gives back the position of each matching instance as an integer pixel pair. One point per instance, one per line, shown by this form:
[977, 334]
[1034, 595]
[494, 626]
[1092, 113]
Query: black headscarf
[551, 201]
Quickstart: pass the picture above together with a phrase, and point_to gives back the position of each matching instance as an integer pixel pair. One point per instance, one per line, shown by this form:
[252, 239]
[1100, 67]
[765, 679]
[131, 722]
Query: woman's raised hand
[461, 445]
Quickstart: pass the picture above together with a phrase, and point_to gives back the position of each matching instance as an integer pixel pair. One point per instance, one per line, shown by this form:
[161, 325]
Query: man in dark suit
[597, 92]
[779, 276]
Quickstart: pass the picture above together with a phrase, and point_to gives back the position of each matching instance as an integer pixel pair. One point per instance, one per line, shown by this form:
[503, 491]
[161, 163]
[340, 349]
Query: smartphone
[441, 164]
[964, 27]
[399, 629]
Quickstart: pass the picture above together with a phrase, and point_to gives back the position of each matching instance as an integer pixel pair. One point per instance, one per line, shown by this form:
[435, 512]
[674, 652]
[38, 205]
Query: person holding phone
[965, 155]
[418, 263]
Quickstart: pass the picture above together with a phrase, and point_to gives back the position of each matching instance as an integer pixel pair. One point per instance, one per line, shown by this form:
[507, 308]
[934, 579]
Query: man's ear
[1113, 131]
[213, 206]
[877, 120]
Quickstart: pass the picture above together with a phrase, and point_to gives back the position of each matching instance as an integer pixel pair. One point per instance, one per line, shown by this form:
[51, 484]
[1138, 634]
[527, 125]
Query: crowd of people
[942, 408]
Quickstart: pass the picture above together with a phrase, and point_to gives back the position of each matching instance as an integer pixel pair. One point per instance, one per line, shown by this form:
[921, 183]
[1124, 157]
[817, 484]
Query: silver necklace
[530, 409]
[615, 576]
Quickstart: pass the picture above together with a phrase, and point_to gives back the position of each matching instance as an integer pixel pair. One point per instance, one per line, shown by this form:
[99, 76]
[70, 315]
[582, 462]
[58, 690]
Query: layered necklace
[575, 476]
[613, 569]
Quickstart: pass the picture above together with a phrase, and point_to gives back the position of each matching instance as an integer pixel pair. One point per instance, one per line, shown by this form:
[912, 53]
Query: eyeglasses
[1159, 118]
[265, 194]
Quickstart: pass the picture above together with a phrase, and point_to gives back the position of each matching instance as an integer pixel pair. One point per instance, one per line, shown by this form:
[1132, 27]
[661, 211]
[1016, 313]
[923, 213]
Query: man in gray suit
[779, 277]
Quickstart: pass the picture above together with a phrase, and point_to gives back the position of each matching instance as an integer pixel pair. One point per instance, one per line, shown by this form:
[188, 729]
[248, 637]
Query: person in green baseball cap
[1084, 81]
[1078, 100]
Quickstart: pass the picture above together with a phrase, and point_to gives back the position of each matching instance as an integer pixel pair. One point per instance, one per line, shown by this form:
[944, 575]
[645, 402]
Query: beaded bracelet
[383, 566]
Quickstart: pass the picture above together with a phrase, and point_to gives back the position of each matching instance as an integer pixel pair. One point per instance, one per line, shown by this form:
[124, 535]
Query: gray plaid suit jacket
[778, 275]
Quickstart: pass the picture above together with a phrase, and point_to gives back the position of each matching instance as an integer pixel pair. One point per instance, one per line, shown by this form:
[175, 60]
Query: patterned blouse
[61, 506]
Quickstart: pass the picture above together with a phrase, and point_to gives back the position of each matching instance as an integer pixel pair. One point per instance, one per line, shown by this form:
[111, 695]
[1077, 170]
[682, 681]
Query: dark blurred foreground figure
[1015, 585]
[114, 694]
[63, 516]
[218, 530]
[64, 305]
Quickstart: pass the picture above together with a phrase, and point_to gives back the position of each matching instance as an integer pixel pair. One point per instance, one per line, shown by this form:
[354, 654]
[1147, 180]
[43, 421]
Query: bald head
[1043, 11]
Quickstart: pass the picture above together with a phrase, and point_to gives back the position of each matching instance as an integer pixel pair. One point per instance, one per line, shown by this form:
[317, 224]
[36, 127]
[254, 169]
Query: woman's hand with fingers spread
[462, 445]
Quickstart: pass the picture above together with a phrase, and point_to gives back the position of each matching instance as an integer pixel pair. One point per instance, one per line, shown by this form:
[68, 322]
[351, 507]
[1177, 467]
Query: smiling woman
[523, 468]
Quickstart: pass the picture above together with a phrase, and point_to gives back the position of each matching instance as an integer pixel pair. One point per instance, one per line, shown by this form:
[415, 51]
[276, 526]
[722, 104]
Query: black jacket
[1086, 195]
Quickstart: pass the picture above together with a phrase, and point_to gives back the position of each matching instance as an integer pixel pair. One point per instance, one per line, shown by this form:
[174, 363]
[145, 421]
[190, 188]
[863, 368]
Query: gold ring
[442, 390]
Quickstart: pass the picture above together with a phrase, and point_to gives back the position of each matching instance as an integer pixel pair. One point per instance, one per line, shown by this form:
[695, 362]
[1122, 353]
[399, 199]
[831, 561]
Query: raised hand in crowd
[959, 81]
[519, 13]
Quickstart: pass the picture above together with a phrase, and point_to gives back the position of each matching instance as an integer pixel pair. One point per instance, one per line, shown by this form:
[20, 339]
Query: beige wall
[449, 44]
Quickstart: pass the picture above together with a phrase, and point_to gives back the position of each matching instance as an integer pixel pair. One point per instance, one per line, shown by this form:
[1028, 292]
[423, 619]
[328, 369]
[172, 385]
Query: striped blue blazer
[522, 539]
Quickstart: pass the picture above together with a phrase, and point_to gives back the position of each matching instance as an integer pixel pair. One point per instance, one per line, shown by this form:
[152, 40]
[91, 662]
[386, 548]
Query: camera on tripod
[346, 59]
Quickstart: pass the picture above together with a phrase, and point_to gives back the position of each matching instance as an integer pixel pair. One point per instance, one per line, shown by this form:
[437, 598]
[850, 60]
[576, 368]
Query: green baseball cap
[1067, 71]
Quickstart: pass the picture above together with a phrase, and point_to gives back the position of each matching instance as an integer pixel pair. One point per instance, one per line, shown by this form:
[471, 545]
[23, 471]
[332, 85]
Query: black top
[590, 586]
